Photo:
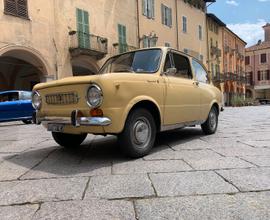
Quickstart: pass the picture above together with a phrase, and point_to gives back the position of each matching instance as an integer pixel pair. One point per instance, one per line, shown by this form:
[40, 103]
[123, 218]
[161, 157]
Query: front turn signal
[96, 112]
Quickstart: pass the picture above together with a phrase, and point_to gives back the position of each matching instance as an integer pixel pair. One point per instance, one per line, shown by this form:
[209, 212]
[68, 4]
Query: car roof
[10, 91]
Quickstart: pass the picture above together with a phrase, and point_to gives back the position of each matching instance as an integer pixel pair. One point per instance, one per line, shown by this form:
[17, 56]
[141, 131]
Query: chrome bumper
[73, 120]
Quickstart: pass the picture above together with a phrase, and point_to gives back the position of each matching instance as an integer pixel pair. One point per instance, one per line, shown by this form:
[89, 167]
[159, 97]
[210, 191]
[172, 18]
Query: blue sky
[244, 17]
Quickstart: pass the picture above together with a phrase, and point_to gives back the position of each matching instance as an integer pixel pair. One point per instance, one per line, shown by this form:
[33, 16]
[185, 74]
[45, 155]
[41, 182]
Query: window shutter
[10, 6]
[144, 7]
[163, 14]
[22, 8]
[170, 17]
[268, 75]
[153, 9]
[259, 76]
[145, 42]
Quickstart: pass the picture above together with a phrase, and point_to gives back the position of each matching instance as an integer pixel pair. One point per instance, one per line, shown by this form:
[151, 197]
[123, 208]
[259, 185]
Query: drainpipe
[177, 34]
[207, 45]
[138, 24]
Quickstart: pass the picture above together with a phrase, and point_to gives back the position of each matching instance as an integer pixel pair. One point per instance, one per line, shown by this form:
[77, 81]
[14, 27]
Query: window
[184, 24]
[16, 7]
[181, 63]
[148, 8]
[200, 72]
[149, 42]
[26, 96]
[247, 60]
[263, 58]
[166, 14]
[122, 38]
[167, 44]
[268, 75]
[83, 28]
[200, 32]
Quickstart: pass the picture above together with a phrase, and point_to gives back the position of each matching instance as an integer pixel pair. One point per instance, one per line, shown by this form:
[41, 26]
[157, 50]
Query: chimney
[267, 31]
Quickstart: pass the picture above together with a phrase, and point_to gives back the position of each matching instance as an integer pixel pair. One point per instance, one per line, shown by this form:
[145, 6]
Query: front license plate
[56, 127]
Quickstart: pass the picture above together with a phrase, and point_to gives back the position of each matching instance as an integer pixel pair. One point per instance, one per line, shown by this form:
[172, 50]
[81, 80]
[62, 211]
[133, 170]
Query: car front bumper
[74, 120]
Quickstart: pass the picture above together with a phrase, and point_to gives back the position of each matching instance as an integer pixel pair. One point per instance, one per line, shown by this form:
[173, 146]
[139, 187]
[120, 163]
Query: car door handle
[196, 83]
[152, 81]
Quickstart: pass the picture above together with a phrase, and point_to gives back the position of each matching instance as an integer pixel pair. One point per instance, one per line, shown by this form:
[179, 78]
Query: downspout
[138, 24]
[207, 45]
[177, 34]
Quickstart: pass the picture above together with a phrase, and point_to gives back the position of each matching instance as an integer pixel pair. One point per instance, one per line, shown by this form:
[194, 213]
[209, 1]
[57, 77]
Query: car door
[9, 106]
[182, 100]
[26, 108]
[206, 94]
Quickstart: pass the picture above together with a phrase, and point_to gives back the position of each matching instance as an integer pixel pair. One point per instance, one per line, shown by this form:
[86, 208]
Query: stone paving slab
[120, 186]
[141, 166]
[248, 179]
[12, 168]
[260, 143]
[93, 209]
[30, 191]
[24, 212]
[190, 183]
[242, 151]
[250, 206]
[258, 160]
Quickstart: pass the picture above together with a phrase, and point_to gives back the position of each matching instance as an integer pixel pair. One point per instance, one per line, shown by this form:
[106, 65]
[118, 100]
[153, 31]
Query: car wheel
[210, 126]
[27, 122]
[139, 134]
[68, 140]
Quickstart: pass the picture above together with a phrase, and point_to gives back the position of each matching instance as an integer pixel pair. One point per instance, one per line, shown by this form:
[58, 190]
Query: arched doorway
[21, 68]
[248, 93]
[84, 65]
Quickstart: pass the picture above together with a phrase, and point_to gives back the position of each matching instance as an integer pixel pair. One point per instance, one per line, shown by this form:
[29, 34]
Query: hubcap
[141, 131]
[213, 120]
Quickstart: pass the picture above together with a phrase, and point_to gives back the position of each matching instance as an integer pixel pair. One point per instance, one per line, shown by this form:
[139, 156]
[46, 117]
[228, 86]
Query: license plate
[56, 127]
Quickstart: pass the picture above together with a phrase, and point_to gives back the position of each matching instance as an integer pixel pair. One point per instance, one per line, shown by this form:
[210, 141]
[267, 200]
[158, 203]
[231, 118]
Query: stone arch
[22, 67]
[84, 65]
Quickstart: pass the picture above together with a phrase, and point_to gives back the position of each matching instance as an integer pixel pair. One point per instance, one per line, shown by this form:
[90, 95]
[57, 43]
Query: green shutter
[122, 39]
[152, 9]
[162, 14]
[83, 28]
[144, 7]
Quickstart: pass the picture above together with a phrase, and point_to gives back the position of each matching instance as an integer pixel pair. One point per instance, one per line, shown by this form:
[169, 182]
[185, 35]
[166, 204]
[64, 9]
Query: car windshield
[143, 61]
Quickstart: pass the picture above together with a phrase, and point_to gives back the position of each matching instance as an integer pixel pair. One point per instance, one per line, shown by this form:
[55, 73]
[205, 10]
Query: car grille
[62, 98]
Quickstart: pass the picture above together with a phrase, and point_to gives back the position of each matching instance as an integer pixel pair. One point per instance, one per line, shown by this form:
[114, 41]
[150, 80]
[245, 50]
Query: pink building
[257, 63]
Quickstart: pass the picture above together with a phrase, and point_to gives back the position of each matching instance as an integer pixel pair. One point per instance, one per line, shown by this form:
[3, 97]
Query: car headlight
[36, 100]
[94, 96]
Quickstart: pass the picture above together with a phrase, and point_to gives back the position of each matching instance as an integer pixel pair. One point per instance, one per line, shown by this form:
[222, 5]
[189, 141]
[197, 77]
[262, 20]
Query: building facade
[47, 40]
[257, 63]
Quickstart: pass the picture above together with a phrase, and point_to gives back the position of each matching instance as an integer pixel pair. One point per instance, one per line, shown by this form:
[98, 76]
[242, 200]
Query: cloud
[249, 32]
[233, 2]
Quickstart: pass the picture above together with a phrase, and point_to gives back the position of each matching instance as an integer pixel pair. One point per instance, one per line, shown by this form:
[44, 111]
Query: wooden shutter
[263, 58]
[144, 7]
[163, 14]
[122, 38]
[268, 75]
[170, 16]
[83, 28]
[16, 8]
[259, 75]
[152, 9]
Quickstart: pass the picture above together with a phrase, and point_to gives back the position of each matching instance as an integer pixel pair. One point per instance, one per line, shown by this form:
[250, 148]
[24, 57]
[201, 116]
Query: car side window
[168, 63]
[181, 63]
[25, 96]
[13, 96]
[200, 72]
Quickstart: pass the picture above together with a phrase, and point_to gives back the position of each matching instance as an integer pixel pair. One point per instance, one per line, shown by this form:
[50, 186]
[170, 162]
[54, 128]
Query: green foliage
[241, 101]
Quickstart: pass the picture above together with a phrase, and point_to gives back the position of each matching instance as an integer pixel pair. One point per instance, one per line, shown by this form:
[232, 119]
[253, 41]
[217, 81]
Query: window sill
[17, 16]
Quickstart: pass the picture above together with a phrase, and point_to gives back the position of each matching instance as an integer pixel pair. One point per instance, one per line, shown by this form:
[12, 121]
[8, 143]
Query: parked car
[16, 106]
[135, 95]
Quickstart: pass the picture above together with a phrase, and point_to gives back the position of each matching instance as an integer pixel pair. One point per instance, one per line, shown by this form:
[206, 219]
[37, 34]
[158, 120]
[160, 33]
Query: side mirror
[171, 71]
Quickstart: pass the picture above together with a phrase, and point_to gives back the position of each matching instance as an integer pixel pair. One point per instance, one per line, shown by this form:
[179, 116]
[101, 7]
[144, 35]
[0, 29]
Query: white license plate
[56, 127]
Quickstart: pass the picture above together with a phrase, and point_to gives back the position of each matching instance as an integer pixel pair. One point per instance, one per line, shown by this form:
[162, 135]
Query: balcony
[215, 51]
[87, 44]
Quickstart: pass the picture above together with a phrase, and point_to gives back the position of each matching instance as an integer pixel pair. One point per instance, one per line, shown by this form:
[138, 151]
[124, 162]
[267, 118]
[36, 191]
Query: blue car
[15, 106]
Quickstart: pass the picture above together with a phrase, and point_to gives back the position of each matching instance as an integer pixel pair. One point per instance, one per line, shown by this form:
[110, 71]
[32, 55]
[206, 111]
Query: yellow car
[135, 95]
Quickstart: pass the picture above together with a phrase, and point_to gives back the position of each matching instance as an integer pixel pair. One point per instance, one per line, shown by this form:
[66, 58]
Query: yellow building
[46, 40]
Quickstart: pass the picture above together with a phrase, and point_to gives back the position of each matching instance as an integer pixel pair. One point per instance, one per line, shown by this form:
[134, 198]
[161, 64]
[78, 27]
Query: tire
[68, 140]
[139, 134]
[27, 122]
[211, 124]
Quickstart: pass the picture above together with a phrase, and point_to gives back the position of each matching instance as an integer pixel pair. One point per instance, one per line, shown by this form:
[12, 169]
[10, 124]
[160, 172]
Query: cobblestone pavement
[187, 175]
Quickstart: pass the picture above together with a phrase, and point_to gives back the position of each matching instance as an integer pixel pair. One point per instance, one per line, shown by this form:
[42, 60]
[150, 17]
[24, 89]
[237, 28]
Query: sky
[244, 17]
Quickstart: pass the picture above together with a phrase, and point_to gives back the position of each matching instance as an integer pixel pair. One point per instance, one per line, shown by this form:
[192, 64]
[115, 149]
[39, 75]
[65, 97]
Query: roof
[261, 46]
[235, 35]
[216, 19]
[8, 91]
